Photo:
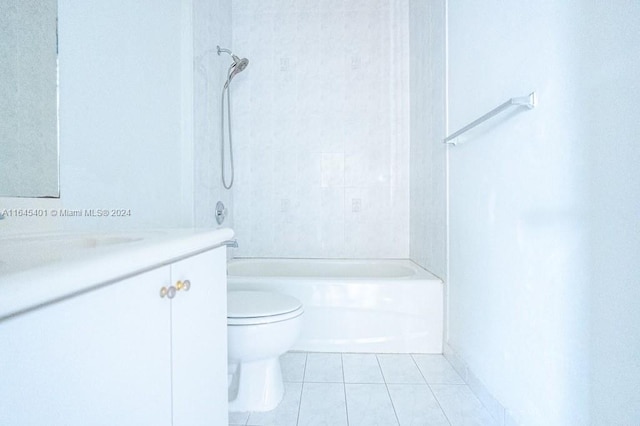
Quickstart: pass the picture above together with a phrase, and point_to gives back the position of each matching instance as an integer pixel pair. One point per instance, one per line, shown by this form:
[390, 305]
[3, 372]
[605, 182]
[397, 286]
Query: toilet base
[259, 384]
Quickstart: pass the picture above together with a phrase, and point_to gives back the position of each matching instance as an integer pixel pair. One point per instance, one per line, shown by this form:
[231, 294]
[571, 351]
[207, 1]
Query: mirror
[28, 98]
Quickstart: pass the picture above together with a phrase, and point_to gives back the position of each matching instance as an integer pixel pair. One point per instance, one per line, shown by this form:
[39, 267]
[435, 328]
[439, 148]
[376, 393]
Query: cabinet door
[99, 358]
[199, 336]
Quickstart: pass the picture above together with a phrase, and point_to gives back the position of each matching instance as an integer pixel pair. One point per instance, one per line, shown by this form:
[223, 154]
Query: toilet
[261, 326]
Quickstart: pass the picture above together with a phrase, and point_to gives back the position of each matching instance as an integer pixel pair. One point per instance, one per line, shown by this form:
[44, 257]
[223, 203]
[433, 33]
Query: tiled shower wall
[320, 128]
[428, 153]
[212, 26]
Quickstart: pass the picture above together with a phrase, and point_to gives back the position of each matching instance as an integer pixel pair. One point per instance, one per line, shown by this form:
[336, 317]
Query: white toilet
[261, 326]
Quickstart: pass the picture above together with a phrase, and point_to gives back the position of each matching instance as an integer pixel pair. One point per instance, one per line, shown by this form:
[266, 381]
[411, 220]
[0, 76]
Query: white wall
[121, 106]
[609, 89]
[428, 213]
[544, 207]
[128, 135]
[320, 128]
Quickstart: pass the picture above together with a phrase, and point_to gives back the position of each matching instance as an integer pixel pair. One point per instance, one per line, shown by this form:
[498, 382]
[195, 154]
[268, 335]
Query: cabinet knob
[170, 292]
[183, 285]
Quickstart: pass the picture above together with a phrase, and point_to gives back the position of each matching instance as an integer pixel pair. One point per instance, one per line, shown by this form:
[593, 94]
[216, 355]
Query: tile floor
[336, 389]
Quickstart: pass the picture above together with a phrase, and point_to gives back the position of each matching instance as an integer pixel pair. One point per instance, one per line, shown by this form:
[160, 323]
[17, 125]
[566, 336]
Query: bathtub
[384, 306]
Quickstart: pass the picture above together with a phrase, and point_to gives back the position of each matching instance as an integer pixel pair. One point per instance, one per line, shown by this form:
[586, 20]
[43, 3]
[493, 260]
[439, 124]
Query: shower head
[238, 66]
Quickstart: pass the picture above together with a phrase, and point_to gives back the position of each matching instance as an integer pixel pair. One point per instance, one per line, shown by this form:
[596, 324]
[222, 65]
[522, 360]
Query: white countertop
[36, 269]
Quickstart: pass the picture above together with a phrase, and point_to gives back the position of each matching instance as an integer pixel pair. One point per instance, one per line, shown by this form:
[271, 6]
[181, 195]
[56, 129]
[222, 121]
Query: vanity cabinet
[199, 341]
[125, 353]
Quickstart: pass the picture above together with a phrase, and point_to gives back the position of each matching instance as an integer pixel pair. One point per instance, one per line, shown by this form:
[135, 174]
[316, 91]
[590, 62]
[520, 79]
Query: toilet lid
[257, 304]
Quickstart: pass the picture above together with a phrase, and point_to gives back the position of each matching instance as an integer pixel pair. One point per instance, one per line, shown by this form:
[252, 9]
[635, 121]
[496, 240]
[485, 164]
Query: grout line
[466, 380]
[304, 369]
[246, 422]
[386, 385]
[344, 389]
[300, 405]
[304, 372]
[300, 402]
[431, 390]
[418, 367]
[381, 370]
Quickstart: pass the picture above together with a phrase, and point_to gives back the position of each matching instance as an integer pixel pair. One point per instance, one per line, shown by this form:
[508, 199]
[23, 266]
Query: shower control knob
[221, 212]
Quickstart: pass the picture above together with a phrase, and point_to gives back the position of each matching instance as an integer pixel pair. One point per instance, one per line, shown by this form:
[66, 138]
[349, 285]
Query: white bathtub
[391, 306]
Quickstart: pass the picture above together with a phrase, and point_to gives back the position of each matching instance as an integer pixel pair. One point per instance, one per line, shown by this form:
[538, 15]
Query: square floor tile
[285, 414]
[415, 405]
[461, 406]
[400, 368]
[369, 405]
[323, 404]
[238, 418]
[437, 370]
[293, 364]
[323, 367]
[361, 368]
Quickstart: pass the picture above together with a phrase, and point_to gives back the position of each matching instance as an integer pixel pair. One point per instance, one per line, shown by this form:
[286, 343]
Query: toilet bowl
[261, 326]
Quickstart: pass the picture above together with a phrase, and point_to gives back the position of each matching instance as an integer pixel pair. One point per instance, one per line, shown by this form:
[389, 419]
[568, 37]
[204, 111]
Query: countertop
[36, 269]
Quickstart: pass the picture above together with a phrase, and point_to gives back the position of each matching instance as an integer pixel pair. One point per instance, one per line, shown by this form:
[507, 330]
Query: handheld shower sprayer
[239, 67]
[236, 67]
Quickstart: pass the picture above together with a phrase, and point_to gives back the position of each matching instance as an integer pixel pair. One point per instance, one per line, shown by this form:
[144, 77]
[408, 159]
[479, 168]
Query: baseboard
[502, 415]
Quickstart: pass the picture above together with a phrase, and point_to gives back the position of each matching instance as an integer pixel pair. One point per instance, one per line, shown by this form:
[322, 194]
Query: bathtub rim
[420, 273]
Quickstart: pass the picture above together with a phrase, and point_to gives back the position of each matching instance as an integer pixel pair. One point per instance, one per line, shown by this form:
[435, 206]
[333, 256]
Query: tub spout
[231, 243]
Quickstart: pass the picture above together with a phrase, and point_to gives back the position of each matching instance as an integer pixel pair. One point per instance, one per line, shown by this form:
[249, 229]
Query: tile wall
[212, 26]
[320, 127]
[427, 129]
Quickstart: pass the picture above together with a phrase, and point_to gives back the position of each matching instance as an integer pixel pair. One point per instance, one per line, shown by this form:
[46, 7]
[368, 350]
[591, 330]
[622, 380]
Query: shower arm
[221, 50]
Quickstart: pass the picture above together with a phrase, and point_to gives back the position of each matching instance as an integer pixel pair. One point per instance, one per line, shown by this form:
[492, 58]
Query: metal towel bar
[528, 101]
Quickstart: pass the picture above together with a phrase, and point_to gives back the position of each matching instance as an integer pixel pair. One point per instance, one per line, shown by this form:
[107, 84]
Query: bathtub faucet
[231, 243]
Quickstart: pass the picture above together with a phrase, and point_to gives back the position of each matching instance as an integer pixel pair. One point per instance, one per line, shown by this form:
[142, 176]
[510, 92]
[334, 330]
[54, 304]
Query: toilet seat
[260, 307]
